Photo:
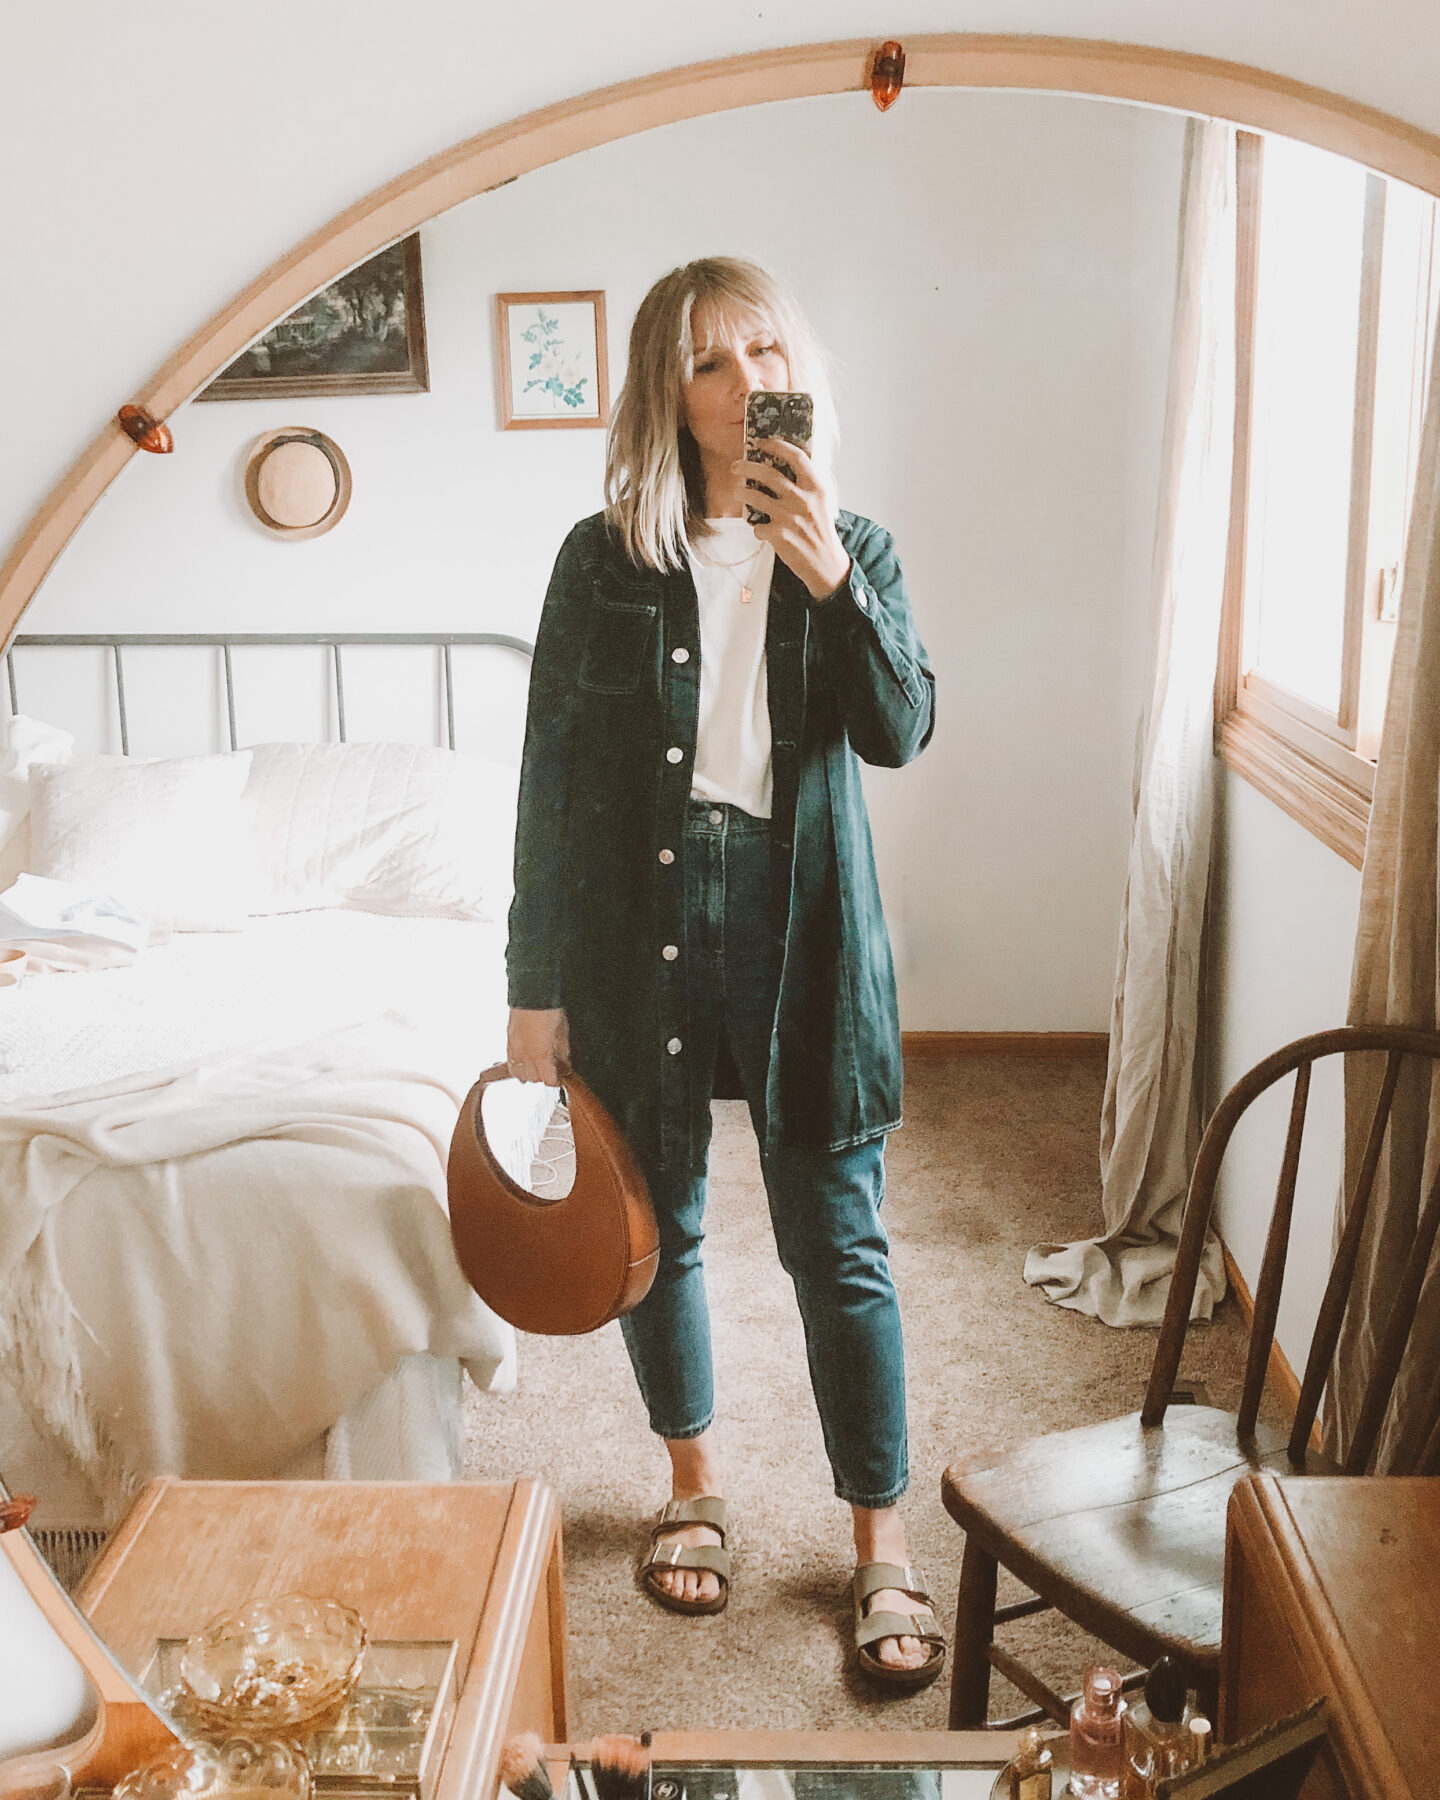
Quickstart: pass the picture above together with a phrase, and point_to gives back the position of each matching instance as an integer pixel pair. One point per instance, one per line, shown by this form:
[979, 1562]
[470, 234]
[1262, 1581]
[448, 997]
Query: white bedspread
[206, 1263]
[293, 976]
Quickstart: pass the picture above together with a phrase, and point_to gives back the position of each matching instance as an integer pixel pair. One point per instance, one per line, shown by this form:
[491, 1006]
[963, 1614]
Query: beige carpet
[996, 1153]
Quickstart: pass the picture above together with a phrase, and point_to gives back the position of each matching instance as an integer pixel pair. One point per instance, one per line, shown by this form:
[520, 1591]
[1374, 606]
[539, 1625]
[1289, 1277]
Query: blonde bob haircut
[654, 490]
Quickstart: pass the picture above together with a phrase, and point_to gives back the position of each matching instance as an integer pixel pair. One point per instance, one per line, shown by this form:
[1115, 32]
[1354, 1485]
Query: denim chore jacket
[604, 787]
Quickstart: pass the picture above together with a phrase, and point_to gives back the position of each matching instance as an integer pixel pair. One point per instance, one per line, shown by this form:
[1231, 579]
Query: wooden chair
[1121, 1526]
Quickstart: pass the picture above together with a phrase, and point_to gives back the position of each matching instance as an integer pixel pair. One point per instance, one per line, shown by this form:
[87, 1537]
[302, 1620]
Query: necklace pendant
[745, 595]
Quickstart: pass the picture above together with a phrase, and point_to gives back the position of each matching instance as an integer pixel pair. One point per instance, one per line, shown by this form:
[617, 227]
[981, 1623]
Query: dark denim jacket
[602, 806]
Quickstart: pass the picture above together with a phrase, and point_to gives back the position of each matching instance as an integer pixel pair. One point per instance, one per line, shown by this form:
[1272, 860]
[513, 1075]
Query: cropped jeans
[824, 1205]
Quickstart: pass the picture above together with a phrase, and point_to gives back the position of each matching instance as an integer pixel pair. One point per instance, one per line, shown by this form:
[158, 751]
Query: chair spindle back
[1299, 1058]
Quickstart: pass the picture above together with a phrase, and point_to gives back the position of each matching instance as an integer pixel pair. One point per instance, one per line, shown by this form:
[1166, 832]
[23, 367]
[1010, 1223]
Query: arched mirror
[994, 276]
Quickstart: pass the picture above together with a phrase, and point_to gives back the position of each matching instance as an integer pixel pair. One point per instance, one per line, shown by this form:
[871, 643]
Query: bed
[223, 1246]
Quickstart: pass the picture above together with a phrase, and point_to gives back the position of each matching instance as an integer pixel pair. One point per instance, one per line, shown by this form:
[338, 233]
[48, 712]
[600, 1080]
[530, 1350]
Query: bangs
[708, 311]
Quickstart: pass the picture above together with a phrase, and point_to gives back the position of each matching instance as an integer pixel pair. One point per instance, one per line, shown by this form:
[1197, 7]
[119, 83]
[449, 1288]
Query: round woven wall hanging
[297, 482]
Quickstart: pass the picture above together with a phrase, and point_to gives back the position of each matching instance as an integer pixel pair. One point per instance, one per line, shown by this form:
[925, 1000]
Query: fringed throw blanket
[200, 1270]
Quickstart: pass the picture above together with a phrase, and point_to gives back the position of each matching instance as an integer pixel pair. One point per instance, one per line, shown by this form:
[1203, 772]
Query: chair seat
[1123, 1526]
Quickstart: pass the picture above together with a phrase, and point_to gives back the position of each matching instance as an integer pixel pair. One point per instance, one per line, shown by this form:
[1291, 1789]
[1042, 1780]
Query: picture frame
[364, 334]
[550, 349]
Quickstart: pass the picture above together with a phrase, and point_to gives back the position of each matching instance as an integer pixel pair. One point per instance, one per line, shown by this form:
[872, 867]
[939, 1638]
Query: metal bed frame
[117, 642]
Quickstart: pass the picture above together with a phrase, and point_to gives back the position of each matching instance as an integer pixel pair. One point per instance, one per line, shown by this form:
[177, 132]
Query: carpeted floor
[996, 1153]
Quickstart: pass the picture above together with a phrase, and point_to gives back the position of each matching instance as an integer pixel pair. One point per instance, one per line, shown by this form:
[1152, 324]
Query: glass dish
[272, 1665]
[230, 1769]
[388, 1738]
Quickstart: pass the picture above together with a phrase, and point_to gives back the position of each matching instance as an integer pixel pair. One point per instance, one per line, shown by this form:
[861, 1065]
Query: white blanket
[183, 1339]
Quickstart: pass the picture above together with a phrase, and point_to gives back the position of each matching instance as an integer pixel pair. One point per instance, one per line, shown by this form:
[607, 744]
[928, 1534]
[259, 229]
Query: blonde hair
[654, 488]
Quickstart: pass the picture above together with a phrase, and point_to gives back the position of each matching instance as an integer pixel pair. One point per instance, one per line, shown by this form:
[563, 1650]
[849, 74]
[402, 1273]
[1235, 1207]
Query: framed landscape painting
[364, 334]
[552, 357]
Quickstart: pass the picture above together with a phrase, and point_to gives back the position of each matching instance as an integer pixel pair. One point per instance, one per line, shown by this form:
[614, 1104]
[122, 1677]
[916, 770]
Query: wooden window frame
[1308, 762]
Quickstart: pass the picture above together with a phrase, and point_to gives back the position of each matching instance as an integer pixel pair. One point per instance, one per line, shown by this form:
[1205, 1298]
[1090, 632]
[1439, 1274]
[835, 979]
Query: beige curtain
[1150, 1125]
[1394, 981]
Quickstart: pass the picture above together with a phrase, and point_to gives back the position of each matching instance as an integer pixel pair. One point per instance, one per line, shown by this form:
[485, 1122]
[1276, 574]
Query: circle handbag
[556, 1265]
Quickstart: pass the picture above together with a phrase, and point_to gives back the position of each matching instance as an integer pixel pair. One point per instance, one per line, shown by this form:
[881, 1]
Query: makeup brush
[522, 1768]
[619, 1766]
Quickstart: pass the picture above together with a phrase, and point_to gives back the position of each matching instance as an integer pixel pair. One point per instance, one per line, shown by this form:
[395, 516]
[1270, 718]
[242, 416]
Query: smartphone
[788, 416]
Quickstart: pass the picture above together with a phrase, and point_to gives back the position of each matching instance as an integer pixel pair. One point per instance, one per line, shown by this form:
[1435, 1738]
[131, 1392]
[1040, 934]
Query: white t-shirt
[732, 751]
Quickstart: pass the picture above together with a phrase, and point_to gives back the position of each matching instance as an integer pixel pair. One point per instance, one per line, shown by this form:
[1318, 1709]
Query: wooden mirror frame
[1176, 80]
[129, 1728]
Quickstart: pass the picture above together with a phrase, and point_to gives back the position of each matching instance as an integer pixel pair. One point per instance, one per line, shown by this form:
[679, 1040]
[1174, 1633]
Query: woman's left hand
[802, 520]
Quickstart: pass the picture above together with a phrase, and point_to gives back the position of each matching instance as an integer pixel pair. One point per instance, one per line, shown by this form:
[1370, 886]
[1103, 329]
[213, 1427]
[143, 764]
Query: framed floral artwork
[553, 363]
[364, 334]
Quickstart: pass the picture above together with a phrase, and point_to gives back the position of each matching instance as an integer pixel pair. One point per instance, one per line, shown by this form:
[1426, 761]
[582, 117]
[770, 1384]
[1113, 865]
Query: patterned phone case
[788, 416]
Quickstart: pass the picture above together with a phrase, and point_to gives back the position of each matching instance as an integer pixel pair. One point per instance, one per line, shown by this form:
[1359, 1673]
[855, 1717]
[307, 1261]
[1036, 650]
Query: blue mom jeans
[824, 1205]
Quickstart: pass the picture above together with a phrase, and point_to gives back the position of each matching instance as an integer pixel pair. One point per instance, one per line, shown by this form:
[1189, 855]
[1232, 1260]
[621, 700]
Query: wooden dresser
[1332, 1586]
[477, 1562]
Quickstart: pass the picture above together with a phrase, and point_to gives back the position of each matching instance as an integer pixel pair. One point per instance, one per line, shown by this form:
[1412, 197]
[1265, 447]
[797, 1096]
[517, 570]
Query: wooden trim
[1288, 749]
[1249, 176]
[559, 1650]
[792, 1749]
[1362, 456]
[1057, 1044]
[1283, 715]
[472, 1759]
[1278, 1372]
[1284, 712]
[102, 1572]
[128, 1728]
[1260, 1510]
[1314, 796]
[1250, 97]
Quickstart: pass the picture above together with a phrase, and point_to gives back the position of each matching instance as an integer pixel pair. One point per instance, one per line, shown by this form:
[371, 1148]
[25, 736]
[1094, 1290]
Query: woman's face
[735, 354]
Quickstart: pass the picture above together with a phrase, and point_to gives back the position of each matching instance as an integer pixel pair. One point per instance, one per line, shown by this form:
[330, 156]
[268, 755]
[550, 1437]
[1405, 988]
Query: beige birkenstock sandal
[871, 1627]
[709, 1510]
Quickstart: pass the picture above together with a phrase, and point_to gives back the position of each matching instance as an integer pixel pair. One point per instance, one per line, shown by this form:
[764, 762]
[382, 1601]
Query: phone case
[788, 416]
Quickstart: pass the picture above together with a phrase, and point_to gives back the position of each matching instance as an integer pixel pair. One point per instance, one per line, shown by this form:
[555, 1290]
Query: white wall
[156, 156]
[1283, 911]
[994, 276]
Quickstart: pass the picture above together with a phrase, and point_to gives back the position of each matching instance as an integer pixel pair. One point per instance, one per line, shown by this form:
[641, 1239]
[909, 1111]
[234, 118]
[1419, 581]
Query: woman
[696, 910]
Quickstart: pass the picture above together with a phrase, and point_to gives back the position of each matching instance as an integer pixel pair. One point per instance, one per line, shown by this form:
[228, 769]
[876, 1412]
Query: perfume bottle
[1032, 1768]
[1096, 1757]
[1155, 1732]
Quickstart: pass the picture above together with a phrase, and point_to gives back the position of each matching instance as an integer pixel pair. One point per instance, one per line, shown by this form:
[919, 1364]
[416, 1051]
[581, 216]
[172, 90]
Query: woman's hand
[802, 518]
[537, 1045]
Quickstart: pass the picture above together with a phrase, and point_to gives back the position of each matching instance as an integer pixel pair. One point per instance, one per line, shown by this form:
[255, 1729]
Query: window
[1338, 278]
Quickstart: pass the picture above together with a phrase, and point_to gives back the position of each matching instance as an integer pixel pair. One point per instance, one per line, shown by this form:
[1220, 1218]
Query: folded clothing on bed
[68, 927]
[201, 1269]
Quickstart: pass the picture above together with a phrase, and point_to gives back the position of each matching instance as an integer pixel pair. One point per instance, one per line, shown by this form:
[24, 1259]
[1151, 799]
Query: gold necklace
[747, 593]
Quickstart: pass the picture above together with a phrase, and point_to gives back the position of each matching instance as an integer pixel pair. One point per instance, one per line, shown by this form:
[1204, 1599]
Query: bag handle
[501, 1072]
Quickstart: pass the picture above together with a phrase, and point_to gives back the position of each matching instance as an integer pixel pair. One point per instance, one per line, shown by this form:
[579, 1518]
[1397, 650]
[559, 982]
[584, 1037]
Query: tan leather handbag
[556, 1266]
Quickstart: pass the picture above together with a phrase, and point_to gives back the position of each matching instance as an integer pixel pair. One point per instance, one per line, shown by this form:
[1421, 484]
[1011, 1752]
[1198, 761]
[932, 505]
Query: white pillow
[24, 743]
[168, 837]
[393, 828]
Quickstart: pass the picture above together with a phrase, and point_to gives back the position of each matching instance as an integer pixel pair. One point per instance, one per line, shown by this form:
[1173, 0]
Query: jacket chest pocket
[616, 640]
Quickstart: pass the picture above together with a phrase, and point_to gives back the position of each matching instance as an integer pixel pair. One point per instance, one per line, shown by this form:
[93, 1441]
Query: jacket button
[674, 754]
[716, 815]
[673, 1046]
[667, 856]
[681, 655]
[863, 602]
[670, 952]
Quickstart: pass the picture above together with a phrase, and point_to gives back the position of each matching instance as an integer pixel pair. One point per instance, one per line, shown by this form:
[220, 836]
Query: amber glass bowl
[236, 1769]
[272, 1665]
